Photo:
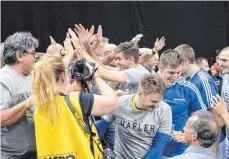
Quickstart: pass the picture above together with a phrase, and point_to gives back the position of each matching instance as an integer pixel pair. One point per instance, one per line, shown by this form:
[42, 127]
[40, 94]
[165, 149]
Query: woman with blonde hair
[59, 133]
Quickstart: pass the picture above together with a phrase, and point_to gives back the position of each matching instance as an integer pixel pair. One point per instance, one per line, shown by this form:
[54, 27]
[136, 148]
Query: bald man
[50, 50]
[150, 64]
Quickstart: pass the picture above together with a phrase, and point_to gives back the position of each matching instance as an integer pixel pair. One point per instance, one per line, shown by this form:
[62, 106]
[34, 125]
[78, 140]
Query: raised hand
[159, 44]
[83, 34]
[54, 46]
[68, 45]
[100, 34]
[74, 39]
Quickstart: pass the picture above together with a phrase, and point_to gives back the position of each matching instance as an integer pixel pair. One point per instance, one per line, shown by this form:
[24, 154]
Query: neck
[18, 68]
[147, 67]
[192, 69]
[194, 143]
[61, 89]
[133, 65]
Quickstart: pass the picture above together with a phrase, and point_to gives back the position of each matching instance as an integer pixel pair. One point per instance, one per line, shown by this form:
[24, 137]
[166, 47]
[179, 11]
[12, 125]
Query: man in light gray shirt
[200, 132]
[224, 65]
[143, 121]
[17, 126]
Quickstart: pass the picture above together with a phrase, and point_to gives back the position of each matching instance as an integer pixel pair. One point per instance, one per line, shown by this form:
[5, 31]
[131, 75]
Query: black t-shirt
[86, 101]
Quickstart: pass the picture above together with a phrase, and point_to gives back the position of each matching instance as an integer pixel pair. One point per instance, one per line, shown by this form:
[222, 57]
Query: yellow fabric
[133, 103]
[66, 139]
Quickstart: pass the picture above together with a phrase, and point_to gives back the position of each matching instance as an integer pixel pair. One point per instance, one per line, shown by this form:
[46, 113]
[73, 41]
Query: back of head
[109, 47]
[144, 51]
[129, 49]
[170, 58]
[225, 49]
[152, 84]
[50, 50]
[206, 128]
[19, 41]
[187, 52]
[46, 74]
[199, 61]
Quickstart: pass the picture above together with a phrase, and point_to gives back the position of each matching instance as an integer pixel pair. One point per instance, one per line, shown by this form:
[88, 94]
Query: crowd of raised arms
[91, 99]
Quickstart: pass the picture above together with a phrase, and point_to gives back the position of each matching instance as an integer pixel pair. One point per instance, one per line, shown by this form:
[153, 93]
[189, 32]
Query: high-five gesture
[83, 34]
[159, 44]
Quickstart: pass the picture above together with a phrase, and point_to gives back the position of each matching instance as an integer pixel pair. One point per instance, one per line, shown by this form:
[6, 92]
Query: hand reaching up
[83, 34]
[159, 44]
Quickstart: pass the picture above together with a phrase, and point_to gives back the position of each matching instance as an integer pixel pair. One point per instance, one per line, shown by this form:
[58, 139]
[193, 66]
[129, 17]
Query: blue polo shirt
[184, 98]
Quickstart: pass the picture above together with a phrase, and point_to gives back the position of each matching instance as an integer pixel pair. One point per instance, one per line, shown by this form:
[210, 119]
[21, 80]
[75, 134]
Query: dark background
[203, 25]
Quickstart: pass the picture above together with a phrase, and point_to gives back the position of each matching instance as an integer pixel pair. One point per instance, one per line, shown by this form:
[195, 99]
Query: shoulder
[164, 106]
[126, 98]
[186, 84]
[204, 76]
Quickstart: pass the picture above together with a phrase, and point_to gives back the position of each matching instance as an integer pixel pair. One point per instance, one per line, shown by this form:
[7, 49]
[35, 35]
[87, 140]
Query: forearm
[101, 126]
[158, 146]
[108, 59]
[104, 88]
[111, 75]
[226, 119]
[12, 115]
[145, 58]
[91, 52]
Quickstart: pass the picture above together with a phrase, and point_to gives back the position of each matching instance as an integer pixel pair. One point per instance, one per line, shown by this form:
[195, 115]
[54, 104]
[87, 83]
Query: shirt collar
[199, 149]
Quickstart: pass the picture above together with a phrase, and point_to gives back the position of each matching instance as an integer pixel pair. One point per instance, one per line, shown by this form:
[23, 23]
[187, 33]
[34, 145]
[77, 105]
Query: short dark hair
[170, 58]
[199, 60]
[129, 49]
[187, 52]
[206, 128]
[19, 41]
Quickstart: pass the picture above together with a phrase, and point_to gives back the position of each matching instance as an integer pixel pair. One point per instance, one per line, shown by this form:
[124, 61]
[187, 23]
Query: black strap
[88, 126]
[69, 104]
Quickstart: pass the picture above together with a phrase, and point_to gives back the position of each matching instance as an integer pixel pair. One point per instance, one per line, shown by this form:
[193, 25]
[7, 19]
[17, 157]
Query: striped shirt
[206, 85]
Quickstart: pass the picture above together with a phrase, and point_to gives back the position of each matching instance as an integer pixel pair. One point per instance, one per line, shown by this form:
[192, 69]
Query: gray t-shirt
[225, 96]
[133, 77]
[135, 129]
[16, 139]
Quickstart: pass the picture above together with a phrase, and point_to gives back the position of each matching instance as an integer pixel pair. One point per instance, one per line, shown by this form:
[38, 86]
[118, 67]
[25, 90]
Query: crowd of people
[90, 99]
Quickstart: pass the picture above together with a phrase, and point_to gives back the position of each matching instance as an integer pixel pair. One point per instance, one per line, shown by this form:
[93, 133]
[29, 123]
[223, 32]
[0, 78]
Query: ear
[139, 92]
[131, 59]
[63, 78]
[194, 136]
[186, 61]
[19, 56]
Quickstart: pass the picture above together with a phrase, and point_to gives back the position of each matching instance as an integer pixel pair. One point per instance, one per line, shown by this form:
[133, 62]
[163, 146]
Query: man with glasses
[17, 126]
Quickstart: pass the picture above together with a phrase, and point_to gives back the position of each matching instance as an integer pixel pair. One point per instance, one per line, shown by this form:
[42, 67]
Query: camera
[82, 70]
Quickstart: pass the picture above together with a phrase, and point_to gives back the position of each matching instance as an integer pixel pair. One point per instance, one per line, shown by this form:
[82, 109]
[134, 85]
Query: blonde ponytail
[46, 73]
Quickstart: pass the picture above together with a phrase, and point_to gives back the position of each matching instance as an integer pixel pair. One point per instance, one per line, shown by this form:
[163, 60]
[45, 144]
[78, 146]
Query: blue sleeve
[207, 88]
[158, 146]
[101, 126]
[195, 98]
